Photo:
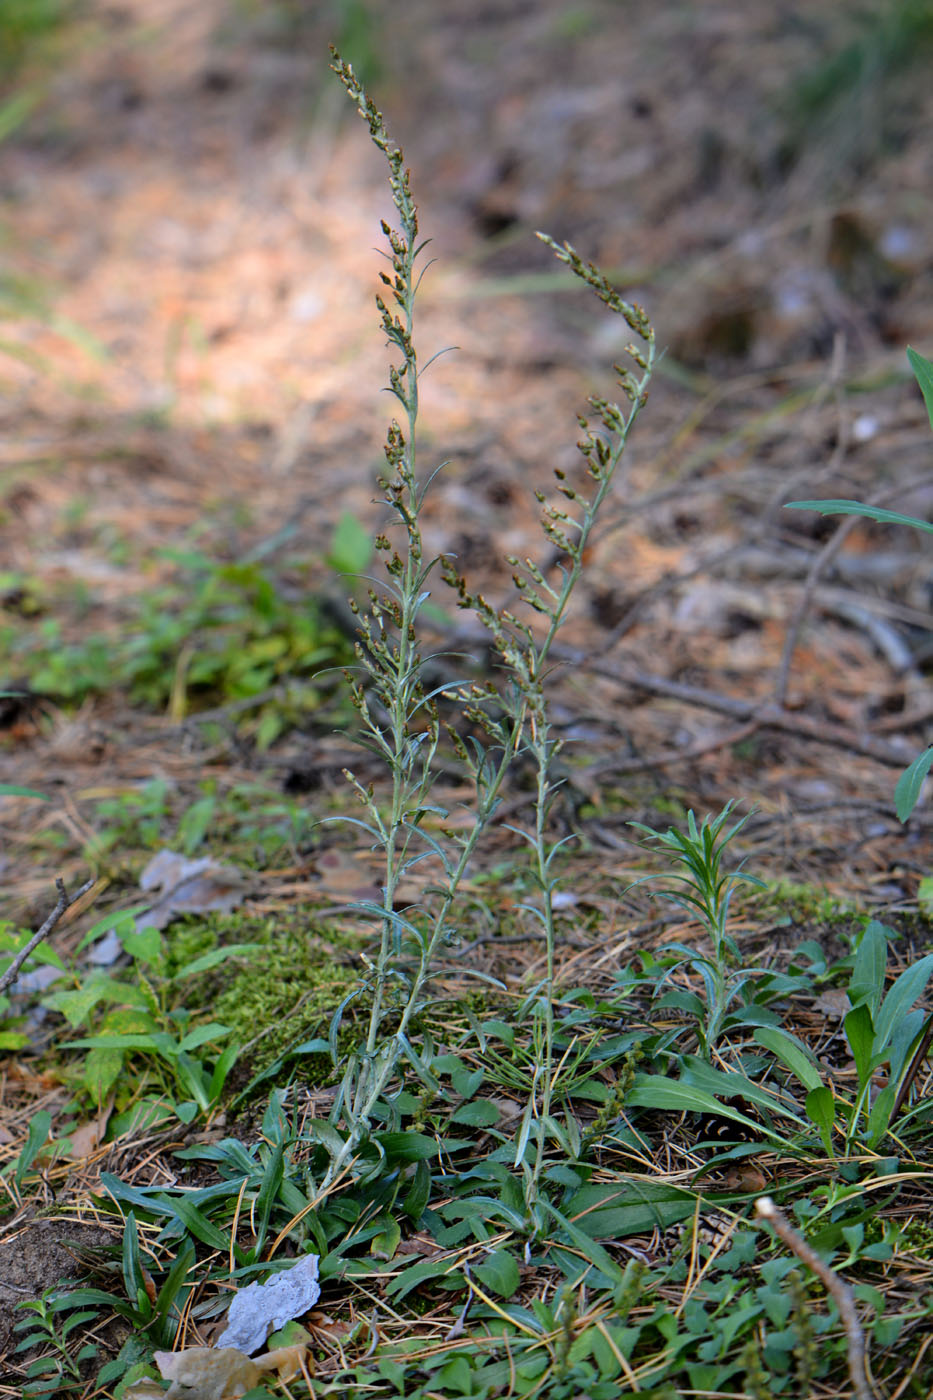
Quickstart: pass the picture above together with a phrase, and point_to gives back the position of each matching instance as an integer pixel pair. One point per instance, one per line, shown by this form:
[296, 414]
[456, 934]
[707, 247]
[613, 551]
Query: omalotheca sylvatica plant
[403, 718]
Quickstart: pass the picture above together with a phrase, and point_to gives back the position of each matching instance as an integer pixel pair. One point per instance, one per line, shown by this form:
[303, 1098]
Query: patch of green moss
[916, 1237]
[188, 939]
[288, 991]
[802, 903]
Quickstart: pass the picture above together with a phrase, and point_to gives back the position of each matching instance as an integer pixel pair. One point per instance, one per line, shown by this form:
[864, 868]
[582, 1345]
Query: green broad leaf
[222, 1068]
[501, 1030]
[351, 546]
[447, 1064]
[194, 1221]
[114, 1042]
[879, 1119]
[384, 1245]
[679, 999]
[871, 960]
[192, 1080]
[900, 1050]
[731, 1084]
[465, 1081]
[419, 1193]
[77, 1005]
[499, 1273]
[860, 1033]
[425, 1271]
[394, 1373]
[484, 1208]
[910, 783]
[455, 1377]
[143, 945]
[194, 825]
[40, 1126]
[479, 1113]
[842, 507]
[325, 1133]
[791, 1052]
[219, 955]
[593, 1254]
[202, 1034]
[13, 943]
[416, 1147]
[317, 1046]
[100, 1072]
[923, 373]
[821, 1110]
[120, 924]
[606, 1351]
[654, 1091]
[12, 790]
[628, 1208]
[908, 987]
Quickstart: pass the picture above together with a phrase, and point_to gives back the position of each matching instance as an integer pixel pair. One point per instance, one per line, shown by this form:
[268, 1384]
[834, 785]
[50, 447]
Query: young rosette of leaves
[910, 783]
[705, 891]
[400, 716]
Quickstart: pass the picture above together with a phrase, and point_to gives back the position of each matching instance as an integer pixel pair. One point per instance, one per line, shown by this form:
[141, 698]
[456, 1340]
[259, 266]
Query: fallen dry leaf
[834, 1003]
[185, 887]
[215, 1373]
[86, 1139]
[264, 1307]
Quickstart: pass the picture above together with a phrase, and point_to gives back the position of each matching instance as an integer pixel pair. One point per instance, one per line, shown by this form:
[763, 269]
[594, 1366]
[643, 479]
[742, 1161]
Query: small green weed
[24, 24]
[50, 1321]
[704, 890]
[139, 1020]
[882, 1030]
[217, 633]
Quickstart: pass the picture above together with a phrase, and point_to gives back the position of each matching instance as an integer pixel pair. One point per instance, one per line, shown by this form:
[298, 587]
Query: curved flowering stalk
[400, 717]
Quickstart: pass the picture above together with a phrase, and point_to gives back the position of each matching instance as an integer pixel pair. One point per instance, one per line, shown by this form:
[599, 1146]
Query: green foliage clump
[215, 633]
[24, 23]
[286, 995]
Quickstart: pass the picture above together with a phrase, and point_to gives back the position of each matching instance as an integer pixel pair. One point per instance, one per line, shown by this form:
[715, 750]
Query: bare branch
[845, 1299]
[64, 902]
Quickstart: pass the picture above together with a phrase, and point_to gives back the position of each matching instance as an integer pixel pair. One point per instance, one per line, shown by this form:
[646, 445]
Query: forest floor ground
[193, 429]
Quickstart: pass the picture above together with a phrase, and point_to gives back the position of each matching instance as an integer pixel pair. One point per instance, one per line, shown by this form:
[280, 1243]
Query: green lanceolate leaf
[133, 1278]
[867, 981]
[499, 1273]
[923, 372]
[628, 1208]
[899, 1000]
[844, 507]
[39, 1129]
[910, 783]
[860, 1033]
[791, 1052]
[821, 1110]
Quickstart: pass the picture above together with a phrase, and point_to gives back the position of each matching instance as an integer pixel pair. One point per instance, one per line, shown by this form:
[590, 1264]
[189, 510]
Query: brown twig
[818, 567]
[13, 971]
[763, 715]
[840, 1291]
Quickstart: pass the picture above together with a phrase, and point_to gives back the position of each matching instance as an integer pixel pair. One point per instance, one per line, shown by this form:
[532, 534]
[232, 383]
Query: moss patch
[288, 992]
